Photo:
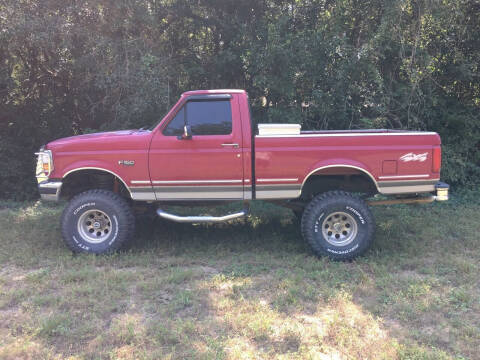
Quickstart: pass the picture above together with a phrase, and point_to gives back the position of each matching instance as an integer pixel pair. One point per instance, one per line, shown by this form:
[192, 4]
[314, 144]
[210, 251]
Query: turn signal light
[44, 163]
[437, 159]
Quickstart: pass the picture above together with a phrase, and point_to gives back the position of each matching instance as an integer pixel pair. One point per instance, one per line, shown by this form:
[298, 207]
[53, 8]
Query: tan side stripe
[195, 181]
[404, 176]
[199, 189]
[277, 180]
[406, 183]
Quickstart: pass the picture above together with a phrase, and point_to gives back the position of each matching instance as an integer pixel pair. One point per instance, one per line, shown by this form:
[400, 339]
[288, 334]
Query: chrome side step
[200, 219]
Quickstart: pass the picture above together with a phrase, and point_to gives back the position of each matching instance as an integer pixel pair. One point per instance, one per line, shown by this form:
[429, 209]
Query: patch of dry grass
[242, 291]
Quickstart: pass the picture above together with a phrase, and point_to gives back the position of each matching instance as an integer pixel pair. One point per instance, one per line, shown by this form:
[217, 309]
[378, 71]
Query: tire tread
[325, 199]
[126, 229]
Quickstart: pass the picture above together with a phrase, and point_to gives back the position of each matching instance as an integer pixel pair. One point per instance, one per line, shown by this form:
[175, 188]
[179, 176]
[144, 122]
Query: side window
[175, 127]
[210, 117]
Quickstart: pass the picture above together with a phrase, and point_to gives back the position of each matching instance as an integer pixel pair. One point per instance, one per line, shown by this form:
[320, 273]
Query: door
[207, 166]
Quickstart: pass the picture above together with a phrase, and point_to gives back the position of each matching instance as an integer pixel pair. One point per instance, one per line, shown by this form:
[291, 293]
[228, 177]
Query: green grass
[247, 289]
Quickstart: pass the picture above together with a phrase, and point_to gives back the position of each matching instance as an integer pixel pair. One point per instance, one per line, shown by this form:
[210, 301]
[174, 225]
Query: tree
[69, 66]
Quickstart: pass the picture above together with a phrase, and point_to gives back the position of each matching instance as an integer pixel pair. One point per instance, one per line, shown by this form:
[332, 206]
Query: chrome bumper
[50, 190]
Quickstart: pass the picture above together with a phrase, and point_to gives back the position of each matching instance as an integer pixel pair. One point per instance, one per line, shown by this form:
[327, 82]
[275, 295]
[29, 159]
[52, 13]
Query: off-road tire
[316, 218]
[120, 225]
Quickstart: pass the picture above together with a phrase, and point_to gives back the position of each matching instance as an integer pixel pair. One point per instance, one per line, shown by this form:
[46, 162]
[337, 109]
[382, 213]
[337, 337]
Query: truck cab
[201, 150]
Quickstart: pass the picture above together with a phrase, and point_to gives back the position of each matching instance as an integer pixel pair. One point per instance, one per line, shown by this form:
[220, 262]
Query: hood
[110, 139]
[95, 136]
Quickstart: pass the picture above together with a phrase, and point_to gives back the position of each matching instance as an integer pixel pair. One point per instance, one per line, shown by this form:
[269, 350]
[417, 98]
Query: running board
[201, 219]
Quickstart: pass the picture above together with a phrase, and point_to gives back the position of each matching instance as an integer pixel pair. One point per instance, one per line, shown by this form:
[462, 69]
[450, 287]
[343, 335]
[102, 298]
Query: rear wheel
[97, 221]
[338, 224]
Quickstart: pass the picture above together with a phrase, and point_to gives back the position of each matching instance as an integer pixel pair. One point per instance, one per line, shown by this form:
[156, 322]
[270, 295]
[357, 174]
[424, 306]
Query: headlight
[44, 163]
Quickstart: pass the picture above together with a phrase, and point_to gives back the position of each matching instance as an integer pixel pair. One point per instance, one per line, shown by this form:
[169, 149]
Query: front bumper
[50, 190]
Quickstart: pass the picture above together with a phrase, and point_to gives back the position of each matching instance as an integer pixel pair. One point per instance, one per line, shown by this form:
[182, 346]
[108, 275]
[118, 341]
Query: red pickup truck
[206, 149]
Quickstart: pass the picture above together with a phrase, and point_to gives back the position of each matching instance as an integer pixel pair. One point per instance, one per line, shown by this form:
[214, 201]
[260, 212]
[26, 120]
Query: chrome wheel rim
[94, 226]
[339, 228]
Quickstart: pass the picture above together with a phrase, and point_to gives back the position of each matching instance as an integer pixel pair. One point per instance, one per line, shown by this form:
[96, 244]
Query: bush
[72, 67]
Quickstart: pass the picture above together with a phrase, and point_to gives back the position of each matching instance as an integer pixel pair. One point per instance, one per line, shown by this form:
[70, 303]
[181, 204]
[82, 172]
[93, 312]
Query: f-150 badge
[126, 162]
[414, 157]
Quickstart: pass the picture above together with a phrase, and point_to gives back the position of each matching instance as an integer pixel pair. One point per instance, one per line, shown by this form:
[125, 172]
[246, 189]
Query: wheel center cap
[337, 226]
[96, 225]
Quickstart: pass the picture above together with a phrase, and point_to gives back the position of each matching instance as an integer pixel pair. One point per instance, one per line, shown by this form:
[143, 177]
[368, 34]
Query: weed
[54, 325]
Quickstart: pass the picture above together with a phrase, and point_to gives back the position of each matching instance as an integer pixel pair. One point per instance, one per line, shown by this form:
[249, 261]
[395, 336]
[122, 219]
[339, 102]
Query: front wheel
[97, 221]
[338, 224]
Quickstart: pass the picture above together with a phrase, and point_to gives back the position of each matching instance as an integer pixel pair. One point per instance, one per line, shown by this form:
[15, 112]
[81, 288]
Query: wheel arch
[88, 170]
[339, 168]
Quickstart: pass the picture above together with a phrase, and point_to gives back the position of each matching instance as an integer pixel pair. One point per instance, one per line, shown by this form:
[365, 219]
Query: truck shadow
[251, 234]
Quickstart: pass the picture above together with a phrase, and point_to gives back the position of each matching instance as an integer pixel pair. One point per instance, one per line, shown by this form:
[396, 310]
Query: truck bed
[357, 131]
[396, 161]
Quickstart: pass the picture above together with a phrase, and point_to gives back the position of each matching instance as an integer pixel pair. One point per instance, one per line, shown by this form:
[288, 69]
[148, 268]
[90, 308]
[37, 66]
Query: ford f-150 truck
[206, 149]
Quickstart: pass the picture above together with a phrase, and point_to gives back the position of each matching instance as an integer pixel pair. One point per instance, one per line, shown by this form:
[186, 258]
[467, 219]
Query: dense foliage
[72, 66]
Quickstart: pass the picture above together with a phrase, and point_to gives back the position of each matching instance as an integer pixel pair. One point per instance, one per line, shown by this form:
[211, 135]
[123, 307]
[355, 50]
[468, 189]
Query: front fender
[92, 165]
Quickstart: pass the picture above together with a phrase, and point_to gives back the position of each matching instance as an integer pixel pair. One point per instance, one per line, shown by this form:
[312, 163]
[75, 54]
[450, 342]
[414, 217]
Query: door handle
[231, 145]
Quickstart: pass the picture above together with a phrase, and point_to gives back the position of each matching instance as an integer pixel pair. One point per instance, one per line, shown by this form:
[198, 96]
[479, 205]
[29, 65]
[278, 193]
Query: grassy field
[245, 290]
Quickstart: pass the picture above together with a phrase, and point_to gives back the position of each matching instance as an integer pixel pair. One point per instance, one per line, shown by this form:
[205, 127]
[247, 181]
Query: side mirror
[187, 133]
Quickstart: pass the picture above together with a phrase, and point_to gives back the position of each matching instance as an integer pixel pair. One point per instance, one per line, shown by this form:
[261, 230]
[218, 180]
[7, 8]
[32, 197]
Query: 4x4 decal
[414, 157]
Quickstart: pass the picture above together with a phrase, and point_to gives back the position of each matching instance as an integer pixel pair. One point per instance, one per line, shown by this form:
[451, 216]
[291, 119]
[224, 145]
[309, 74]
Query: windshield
[155, 124]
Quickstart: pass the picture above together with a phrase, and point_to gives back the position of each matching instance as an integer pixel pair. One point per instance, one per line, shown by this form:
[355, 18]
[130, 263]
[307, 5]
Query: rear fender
[339, 163]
